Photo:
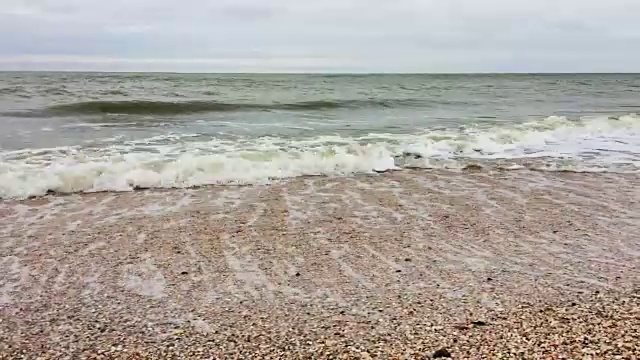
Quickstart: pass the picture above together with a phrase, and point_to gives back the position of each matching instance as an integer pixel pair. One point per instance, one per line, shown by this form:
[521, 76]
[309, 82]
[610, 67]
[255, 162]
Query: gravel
[406, 265]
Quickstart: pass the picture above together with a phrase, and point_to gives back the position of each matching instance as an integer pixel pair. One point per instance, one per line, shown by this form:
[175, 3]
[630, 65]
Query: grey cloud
[401, 35]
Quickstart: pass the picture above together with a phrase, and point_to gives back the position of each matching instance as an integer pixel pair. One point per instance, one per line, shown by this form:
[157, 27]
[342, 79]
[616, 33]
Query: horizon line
[323, 72]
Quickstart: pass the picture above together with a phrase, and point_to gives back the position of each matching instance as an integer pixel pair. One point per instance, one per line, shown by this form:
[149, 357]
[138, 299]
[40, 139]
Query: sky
[431, 36]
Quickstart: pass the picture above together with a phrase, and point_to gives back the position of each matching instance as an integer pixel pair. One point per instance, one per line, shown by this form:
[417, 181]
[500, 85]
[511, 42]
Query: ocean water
[75, 132]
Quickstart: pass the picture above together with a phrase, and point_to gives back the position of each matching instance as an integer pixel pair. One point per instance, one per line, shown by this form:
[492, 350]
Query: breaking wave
[596, 144]
[142, 107]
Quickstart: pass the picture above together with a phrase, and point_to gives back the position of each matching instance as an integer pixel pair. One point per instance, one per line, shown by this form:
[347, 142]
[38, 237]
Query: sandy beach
[402, 265]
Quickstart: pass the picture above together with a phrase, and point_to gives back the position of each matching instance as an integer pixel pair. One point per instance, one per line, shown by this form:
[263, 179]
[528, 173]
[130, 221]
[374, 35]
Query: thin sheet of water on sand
[566, 229]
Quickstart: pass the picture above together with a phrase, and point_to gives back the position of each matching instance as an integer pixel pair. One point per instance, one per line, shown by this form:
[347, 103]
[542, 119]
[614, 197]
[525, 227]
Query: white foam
[591, 144]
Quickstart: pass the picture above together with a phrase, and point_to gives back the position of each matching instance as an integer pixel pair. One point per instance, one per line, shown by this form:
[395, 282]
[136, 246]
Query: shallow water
[70, 132]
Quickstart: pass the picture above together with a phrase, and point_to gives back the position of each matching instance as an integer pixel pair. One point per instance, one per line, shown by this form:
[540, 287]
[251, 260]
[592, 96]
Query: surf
[592, 144]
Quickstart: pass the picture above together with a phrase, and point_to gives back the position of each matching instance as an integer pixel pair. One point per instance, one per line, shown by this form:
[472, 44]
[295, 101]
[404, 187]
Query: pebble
[441, 353]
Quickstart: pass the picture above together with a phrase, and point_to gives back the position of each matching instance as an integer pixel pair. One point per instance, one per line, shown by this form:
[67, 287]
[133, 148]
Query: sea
[63, 133]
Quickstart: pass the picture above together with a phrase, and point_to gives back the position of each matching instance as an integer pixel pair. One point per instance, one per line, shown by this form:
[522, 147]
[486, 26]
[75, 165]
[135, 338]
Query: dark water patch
[20, 91]
[144, 107]
[114, 92]
[55, 91]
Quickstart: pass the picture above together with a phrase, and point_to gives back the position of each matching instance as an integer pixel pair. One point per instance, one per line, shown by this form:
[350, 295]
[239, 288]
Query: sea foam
[553, 144]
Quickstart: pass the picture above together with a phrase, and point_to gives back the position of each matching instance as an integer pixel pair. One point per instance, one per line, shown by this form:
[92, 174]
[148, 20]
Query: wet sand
[511, 264]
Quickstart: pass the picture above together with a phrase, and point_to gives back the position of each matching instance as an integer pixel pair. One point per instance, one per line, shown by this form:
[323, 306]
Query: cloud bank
[321, 36]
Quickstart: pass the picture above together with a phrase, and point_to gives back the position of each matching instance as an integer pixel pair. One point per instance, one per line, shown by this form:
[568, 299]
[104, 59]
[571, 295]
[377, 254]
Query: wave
[144, 107]
[598, 144]
[19, 91]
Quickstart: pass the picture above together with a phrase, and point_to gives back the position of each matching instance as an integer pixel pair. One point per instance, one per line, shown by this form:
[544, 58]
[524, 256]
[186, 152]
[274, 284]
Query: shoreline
[397, 266]
[468, 168]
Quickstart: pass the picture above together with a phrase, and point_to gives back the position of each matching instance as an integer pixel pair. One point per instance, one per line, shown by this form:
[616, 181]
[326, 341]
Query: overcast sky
[321, 35]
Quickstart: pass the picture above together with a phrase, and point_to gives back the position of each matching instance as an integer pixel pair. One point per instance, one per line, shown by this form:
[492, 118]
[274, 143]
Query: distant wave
[144, 107]
[19, 91]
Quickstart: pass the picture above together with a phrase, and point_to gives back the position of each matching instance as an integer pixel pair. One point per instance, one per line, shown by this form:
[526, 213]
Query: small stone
[398, 270]
[407, 259]
[472, 167]
[297, 274]
[442, 353]
[184, 273]
[478, 323]
[489, 279]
